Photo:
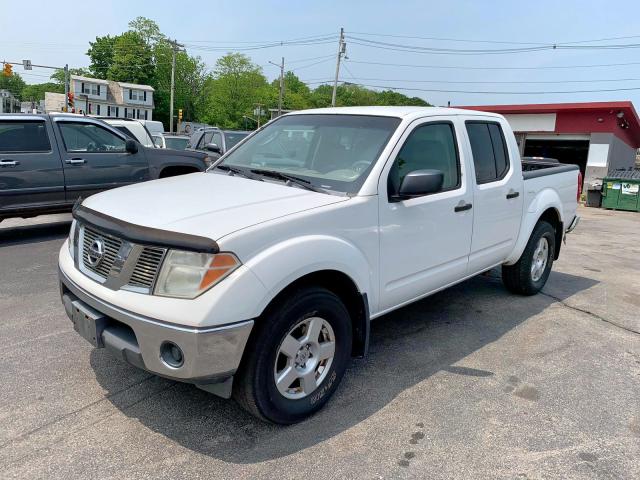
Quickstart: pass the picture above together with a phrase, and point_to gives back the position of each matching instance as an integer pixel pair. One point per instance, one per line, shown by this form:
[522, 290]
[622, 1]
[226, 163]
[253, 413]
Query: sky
[48, 34]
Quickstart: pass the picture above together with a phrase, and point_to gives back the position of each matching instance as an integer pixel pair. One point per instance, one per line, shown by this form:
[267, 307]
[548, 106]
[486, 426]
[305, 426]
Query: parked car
[131, 128]
[260, 279]
[153, 126]
[176, 142]
[216, 141]
[48, 161]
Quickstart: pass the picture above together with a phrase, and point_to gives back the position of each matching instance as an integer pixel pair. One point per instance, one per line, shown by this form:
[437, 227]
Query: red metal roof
[632, 134]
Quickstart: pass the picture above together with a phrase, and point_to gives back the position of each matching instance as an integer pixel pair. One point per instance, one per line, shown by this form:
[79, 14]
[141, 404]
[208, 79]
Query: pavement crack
[591, 314]
[70, 414]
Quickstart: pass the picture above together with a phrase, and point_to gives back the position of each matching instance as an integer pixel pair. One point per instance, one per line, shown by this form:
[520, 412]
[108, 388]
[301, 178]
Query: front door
[498, 194]
[424, 241]
[95, 158]
[31, 173]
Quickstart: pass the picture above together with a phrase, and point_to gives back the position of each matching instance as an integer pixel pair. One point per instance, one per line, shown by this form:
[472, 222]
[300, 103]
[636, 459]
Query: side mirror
[131, 146]
[212, 147]
[419, 183]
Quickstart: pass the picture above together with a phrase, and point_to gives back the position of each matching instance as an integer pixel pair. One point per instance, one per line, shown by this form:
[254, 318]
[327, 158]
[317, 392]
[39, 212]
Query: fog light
[171, 354]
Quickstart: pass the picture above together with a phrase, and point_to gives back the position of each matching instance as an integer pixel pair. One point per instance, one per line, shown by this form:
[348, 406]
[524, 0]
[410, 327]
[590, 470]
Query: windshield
[232, 138]
[332, 152]
[176, 143]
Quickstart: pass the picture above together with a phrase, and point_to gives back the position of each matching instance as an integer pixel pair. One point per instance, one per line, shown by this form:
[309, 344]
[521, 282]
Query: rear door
[95, 159]
[497, 195]
[31, 174]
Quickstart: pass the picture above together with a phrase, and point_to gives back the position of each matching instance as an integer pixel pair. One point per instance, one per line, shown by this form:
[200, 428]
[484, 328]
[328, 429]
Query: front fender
[283, 263]
[544, 200]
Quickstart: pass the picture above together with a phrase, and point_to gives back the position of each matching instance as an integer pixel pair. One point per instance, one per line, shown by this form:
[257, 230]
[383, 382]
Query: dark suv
[216, 141]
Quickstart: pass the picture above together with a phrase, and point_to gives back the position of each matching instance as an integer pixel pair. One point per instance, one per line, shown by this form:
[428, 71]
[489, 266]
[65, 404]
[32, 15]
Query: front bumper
[211, 355]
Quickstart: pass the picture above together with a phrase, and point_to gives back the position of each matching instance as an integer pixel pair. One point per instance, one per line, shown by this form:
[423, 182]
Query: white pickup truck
[260, 277]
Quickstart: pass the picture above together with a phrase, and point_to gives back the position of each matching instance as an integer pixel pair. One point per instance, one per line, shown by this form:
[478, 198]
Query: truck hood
[205, 204]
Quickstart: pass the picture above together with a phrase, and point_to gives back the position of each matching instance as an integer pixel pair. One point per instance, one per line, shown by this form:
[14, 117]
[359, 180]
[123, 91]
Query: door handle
[9, 163]
[75, 161]
[512, 194]
[462, 206]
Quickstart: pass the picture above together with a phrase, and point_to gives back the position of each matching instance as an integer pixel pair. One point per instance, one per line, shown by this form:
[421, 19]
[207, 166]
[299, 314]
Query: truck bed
[535, 169]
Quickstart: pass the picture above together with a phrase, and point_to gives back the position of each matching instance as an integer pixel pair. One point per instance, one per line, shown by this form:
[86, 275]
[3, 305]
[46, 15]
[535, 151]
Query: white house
[112, 99]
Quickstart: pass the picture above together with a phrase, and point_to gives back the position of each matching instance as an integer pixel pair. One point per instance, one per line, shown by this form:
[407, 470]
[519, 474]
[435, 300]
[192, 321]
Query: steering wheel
[360, 165]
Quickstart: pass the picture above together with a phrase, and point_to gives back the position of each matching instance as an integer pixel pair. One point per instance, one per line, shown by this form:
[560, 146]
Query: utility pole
[66, 87]
[281, 67]
[175, 46]
[342, 48]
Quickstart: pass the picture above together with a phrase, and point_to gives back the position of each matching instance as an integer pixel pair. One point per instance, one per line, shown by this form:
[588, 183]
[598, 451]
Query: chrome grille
[111, 247]
[146, 270]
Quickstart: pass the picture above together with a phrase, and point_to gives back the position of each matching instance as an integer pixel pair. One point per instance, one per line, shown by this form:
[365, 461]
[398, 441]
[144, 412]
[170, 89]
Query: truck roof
[386, 111]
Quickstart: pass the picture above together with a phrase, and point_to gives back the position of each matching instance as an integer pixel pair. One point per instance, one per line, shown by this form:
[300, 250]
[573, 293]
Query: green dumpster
[621, 190]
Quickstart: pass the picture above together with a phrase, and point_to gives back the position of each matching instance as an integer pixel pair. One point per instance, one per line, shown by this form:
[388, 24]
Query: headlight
[188, 274]
[72, 232]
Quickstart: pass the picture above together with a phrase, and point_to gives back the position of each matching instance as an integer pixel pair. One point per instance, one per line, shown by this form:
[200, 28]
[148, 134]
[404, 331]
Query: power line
[514, 82]
[464, 67]
[390, 87]
[485, 51]
[504, 42]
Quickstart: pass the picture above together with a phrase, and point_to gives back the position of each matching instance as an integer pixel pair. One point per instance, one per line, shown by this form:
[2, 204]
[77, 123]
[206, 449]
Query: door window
[489, 151]
[16, 136]
[429, 147]
[88, 137]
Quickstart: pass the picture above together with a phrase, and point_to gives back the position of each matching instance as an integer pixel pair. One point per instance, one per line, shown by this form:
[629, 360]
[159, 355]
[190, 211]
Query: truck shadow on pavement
[407, 347]
[26, 234]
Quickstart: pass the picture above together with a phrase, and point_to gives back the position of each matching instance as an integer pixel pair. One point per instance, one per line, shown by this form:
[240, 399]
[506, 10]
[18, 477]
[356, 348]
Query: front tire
[530, 273]
[296, 358]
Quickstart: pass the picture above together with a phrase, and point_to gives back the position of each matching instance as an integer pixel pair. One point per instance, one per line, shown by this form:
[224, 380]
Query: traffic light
[7, 70]
[70, 99]
[180, 115]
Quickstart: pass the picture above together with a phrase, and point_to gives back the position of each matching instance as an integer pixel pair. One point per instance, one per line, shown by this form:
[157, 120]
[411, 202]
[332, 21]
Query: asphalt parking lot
[471, 383]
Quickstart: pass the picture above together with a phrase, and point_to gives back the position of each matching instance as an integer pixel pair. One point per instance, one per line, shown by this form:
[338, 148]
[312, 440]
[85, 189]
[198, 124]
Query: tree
[101, 55]
[132, 60]
[148, 30]
[58, 75]
[15, 84]
[36, 91]
[233, 91]
[189, 83]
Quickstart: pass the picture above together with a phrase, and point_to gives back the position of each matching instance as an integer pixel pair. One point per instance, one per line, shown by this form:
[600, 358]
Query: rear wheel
[297, 357]
[530, 273]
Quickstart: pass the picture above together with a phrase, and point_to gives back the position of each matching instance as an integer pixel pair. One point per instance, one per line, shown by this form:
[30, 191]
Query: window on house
[98, 109]
[108, 110]
[117, 111]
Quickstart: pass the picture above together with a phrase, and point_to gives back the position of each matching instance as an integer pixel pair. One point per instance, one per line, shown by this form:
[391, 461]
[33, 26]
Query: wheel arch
[345, 288]
[545, 206]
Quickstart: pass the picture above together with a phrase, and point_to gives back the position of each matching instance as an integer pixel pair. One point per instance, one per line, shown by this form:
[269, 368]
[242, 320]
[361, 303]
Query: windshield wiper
[301, 182]
[238, 171]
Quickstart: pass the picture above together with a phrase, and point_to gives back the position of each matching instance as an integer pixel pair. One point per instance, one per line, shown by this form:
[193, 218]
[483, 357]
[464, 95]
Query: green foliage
[35, 92]
[58, 76]
[132, 59]
[100, 54]
[233, 91]
[225, 97]
[189, 83]
[14, 84]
